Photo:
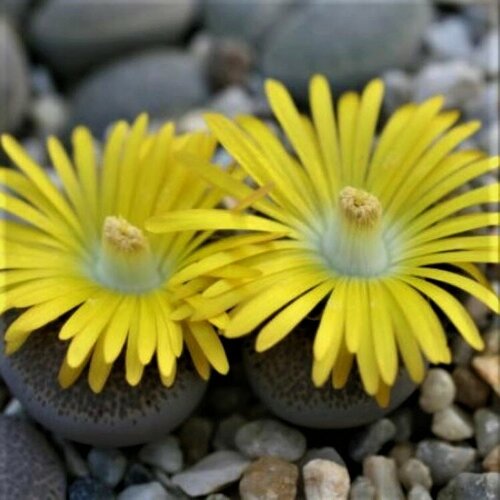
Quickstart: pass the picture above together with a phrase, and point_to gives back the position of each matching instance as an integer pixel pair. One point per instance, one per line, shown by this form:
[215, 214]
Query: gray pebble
[372, 439]
[226, 432]
[461, 351]
[449, 39]
[418, 492]
[444, 460]
[382, 472]
[362, 489]
[232, 101]
[403, 420]
[49, 114]
[484, 107]
[15, 9]
[489, 139]
[217, 496]
[414, 472]
[469, 486]
[487, 53]
[398, 89]
[194, 437]
[88, 488]
[147, 491]
[487, 425]
[268, 437]
[75, 464]
[137, 474]
[452, 424]
[107, 465]
[437, 391]
[164, 453]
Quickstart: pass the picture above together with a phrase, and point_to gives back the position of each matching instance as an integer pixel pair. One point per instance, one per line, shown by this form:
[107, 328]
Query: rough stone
[414, 472]
[372, 439]
[452, 424]
[471, 390]
[488, 368]
[382, 473]
[325, 479]
[164, 453]
[468, 486]
[107, 465]
[437, 392]
[487, 425]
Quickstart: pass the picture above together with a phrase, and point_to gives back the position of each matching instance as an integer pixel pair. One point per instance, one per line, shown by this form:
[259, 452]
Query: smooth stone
[487, 367]
[88, 488]
[73, 36]
[120, 415]
[50, 114]
[232, 101]
[437, 391]
[147, 491]
[471, 390]
[194, 436]
[107, 465]
[288, 364]
[164, 453]
[458, 81]
[212, 473]
[14, 79]
[75, 464]
[398, 89]
[29, 467]
[250, 21]
[418, 492]
[452, 424]
[403, 419]
[449, 39]
[326, 453]
[15, 409]
[325, 479]
[224, 438]
[382, 473]
[414, 472]
[484, 107]
[162, 82]
[487, 426]
[137, 474]
[269, 478]
[469, 486]
[402, 452]
[372, 439]
[362, 489]
[384, 40]
[174, 491]
[444, 460]
[491, 462]
[487, 54]
[268, 437]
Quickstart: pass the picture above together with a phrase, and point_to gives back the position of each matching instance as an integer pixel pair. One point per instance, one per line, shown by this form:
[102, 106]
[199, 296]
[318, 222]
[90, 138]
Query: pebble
[324, 479]
[487, 425]
[88, 488]
[487, 54]
[478, 310]
[164, 453]
[224, 437]
[461, 351]
[372, 439]
[457, 80]
[449, 39]
[403, 419]
[194, 437]
[77, 35]
[14, 79]
[49, 114]
[452, 424]
[75, 464]
[387, 41]
[362, 489]
[414, 472]
[211, 473]
[398, 89]
[137, 474]
[402, 452]
[491, 462]
[382, 472]
[469, 486]
[268, 437]
[269, 478]
[29, 467]
[488, 139]
[147, 491]
[15, 9]
[107, 465]
[471, 390]
[487, 367]
[492, 341]
[217, 496]
[444, 460]
[232, 101]
[163, 82]
[326, 453]
[437, 391]
[418, 492]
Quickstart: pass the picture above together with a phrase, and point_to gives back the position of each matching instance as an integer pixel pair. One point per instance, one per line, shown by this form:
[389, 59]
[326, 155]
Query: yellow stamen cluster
[360, 207]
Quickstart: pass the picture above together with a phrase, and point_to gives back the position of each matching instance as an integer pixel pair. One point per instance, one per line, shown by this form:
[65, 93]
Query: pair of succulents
[134, 253]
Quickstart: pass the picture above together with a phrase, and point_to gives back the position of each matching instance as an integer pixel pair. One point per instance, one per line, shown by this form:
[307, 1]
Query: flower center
[353, 241]
[125, 261]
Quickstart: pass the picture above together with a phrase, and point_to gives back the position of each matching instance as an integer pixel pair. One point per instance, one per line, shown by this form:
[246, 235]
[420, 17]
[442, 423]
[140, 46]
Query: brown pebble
[488, 368]
[471, 390]
[491, 462]
[492, 341]
[269, 478]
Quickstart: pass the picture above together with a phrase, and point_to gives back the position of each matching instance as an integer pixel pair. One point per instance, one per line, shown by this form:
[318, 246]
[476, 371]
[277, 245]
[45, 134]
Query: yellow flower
[365, 226]
[75, 249]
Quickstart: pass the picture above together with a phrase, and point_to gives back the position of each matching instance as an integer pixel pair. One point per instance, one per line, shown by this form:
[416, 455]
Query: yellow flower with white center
[75, 249]
[368, 228]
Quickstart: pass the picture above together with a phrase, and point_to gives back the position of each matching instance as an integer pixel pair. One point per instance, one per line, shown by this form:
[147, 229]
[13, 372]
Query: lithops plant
[367, 230]
[75, 251]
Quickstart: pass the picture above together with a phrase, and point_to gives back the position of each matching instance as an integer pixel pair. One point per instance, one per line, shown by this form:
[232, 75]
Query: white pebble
[452, 424]
[437, 391]
[165, 454]
[325, 480]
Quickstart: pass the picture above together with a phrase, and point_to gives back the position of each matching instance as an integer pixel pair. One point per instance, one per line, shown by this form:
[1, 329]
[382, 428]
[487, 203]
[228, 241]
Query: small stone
[478, 310]
[137, 474]
[226, 432]
[418, 492]
[107, 465]
[382, 472]
[212, 473]
[325, 479]
[195, 437]
[164, 453]
[88, 488]
[452, 424]
[217, 496]
[49, 114]
[326, 453]
[398, 89]
[414, 472]
[444, 460]
[488, 368]
[461, 351]
[487, 424]
[403, 420]
[173, 490]
[232, 101]
[362, 489]
[469, 486]
[402, 452]
[487, 53]
[471, 390]
[372, 439]
[449, 39]
[15, 409]
[437, 391]
[75, 464]
[492, 341]
[147, 491]
[491, 462]
[488, 140]
[268, 437]
[269, 478]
